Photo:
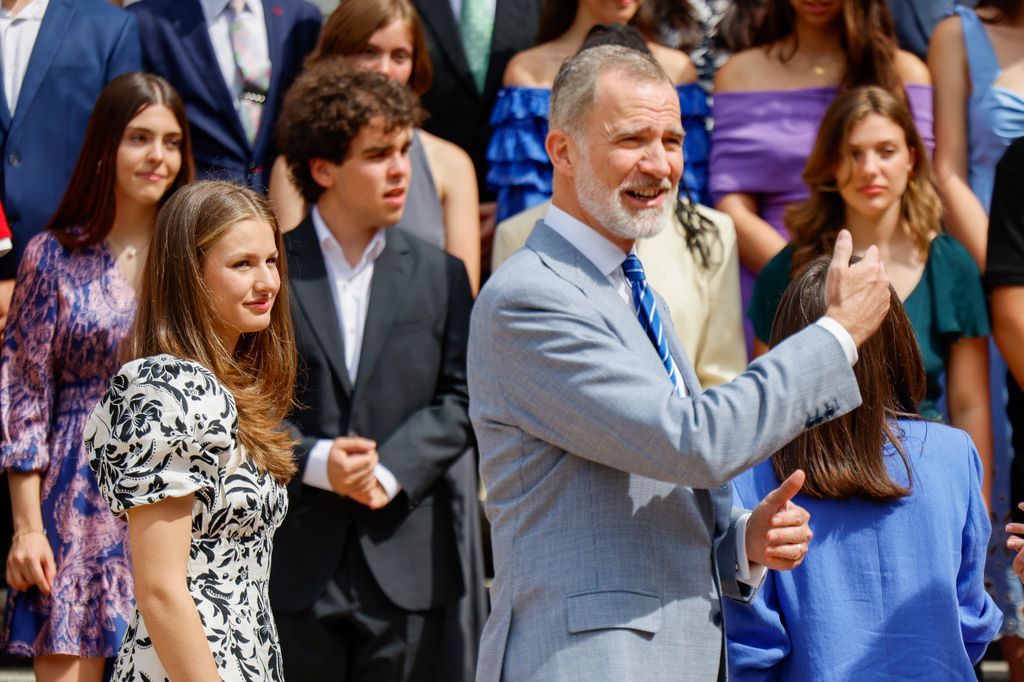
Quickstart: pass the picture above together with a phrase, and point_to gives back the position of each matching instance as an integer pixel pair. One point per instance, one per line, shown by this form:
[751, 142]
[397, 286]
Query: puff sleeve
[164, 428]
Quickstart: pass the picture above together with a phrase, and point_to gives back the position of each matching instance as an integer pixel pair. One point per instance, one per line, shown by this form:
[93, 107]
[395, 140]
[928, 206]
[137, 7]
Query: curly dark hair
[325, 109]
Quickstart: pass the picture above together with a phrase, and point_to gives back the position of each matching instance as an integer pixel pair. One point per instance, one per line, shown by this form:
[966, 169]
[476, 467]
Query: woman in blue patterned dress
[74, 299]
[520, 171]
[188, 443]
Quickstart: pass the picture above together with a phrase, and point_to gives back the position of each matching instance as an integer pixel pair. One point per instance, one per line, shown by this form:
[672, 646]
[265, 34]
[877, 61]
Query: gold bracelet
[30, 531]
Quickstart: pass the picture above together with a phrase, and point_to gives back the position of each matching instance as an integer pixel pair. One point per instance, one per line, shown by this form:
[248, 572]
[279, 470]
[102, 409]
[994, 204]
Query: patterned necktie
[647, 312]
[253, 70]
[476, 24]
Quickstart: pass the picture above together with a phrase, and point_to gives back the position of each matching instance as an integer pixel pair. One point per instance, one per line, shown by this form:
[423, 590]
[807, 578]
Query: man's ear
[320, 170]
[561, 148]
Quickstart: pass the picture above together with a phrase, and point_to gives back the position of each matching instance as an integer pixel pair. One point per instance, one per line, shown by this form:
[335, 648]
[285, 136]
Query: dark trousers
[354, 633]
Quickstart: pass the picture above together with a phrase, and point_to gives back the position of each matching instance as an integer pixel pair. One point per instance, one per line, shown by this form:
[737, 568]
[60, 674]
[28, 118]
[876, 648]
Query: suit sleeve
[567, 379]
[432, 438]
[756, 638]
[126, 56]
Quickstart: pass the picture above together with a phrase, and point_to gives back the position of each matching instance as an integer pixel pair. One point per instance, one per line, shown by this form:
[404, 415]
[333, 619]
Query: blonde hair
[814, 223]
[175, 316]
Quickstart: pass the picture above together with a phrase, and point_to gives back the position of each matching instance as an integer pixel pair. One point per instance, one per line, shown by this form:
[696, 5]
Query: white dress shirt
[18, 33]
[218, 24]
[350, 285]
[608, 259]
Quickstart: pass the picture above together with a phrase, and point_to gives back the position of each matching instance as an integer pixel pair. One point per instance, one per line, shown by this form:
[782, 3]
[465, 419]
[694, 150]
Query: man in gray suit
[606, 467]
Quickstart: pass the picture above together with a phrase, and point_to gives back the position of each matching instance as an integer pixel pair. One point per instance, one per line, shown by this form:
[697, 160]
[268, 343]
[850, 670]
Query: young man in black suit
[366, 560]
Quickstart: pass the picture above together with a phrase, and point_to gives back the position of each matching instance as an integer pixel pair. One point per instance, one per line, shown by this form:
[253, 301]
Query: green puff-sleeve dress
[947, 305]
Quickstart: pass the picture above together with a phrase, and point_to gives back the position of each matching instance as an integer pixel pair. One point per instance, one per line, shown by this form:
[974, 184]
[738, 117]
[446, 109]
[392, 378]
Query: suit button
[13, 159]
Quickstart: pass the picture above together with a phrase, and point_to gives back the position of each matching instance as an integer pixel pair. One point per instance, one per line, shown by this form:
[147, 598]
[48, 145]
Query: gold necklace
[127, 250]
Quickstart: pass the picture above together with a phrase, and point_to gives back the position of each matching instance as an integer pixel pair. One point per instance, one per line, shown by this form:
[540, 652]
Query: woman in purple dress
[770, 99]
[74, 300]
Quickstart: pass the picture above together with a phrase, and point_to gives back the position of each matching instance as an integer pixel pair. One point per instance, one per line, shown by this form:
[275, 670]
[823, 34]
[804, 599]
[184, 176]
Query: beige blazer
[704, 304]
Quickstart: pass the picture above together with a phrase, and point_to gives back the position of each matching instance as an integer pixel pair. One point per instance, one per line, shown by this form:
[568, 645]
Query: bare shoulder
[744, 71]
[535, 67]
[675, 63]
[948, 33]
[911, 69]
[445, 157]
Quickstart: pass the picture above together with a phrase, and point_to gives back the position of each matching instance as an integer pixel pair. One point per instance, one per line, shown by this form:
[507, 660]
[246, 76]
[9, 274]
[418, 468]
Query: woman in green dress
[869, 172]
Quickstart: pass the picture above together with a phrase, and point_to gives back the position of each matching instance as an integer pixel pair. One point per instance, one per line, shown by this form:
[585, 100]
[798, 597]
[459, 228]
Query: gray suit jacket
[609, 497]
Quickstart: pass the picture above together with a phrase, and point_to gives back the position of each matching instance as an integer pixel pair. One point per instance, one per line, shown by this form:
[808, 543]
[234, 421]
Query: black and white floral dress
[167, 428]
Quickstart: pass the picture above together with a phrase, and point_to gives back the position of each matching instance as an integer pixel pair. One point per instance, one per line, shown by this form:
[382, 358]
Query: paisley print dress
[70, 310]
[167, 428]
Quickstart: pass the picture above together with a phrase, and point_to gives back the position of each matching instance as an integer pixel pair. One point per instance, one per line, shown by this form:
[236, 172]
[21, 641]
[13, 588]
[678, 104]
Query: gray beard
[607, 209]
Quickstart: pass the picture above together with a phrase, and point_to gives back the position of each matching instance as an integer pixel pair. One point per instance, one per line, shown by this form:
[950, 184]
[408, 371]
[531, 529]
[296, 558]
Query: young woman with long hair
[869, 173]
[442, 207]
[520, 171]
[895, 578]
[188, 442]
[769, 101]
[74, 300]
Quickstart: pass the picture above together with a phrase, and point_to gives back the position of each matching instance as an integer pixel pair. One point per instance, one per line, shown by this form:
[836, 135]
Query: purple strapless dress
[761, 141]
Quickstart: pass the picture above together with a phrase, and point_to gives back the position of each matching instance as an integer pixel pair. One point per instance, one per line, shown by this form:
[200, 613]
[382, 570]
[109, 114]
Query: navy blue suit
[176, 44]
[82, 45]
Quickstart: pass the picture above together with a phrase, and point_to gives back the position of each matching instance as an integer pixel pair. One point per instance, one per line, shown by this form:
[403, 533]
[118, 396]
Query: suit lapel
[190, 24]
[311, 289]
[54, 27]
[510, 19]
[275, 17]
[390, 278]
[438, 14]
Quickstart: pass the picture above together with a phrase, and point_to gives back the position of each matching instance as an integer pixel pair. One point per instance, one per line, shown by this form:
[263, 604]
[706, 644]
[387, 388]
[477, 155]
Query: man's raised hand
[856, 296]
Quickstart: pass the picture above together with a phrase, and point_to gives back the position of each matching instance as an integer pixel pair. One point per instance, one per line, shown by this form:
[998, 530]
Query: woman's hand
[30, 562]
[1016, 544]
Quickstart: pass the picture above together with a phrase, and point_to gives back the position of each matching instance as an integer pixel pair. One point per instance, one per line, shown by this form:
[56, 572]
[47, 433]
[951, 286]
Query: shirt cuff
[315, 473]
[842, 336]
[746, 572]
[387, 481]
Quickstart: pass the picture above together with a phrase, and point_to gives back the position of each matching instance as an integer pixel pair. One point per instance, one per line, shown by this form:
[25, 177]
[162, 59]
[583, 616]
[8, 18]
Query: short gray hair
[576, 83]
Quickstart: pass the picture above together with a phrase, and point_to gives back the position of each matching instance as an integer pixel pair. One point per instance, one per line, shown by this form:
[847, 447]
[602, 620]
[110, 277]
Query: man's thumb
[790, 487]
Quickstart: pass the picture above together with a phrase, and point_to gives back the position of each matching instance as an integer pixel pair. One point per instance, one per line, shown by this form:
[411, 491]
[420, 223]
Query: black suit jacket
[458, 111]
[410, 396]
[176, 44]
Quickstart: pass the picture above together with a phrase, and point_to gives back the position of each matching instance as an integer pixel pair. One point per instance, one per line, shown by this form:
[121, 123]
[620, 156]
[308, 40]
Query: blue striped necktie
[647, 312]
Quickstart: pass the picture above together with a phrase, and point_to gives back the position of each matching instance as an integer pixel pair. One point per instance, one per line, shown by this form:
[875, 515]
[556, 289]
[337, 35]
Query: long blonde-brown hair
[175, 316]
[814, 223]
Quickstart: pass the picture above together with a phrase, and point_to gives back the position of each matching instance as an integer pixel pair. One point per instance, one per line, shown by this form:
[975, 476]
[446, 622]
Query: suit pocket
[611, 609]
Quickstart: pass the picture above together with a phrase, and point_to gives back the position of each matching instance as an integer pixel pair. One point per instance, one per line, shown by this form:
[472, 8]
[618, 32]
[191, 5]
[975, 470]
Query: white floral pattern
[167, 428]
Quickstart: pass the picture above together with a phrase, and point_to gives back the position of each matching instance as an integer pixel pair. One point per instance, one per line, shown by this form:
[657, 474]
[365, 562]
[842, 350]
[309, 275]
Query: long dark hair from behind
[1005, 9]
[866, 33]
[845, 457]
[672, 18]
[556, 16]
[175, 316]
[87, 211]
[700, 232]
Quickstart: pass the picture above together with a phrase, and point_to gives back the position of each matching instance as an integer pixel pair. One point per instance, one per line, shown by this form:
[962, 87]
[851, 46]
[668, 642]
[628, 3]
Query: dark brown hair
[86, 213]
[325, 109]
[175, 316]
[867, 35]
[1005, 9]
[351, 25]
[844, 457]
[674, 18]
[739, 26]
[556, 16]
[814, 223]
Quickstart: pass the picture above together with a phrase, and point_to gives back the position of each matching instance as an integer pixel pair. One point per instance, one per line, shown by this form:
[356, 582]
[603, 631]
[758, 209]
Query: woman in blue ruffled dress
[520, 172]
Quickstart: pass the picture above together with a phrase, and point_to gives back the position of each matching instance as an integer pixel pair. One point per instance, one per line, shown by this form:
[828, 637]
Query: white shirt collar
[329, 245]
[33, 11]
[213, 9]
[605, 256]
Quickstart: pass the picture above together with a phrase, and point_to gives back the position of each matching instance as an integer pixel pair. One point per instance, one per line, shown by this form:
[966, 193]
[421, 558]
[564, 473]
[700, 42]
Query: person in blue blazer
[182, 42]
[81, 46]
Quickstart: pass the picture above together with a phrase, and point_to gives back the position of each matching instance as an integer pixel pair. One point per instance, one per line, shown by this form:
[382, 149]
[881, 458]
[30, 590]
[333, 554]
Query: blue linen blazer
[888, 591]
[82, 45]
[611, 513]
[176, 44]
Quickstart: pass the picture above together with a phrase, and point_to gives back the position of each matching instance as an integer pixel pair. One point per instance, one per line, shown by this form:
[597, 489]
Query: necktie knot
[633, 269]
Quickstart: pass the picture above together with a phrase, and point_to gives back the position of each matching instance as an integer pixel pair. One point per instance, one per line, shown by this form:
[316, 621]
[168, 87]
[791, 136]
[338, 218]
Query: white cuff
[842, 336]
[746, 572]
[387, 481]
[315, 473]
